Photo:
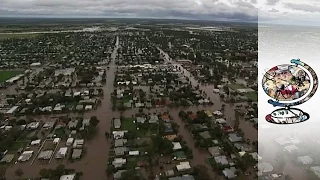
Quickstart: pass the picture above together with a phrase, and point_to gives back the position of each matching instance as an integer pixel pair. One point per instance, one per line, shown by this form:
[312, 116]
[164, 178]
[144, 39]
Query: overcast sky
[272, 11]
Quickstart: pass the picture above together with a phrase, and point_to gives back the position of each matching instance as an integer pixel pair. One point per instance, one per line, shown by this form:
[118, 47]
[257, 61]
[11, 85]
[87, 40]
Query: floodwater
[94, 163]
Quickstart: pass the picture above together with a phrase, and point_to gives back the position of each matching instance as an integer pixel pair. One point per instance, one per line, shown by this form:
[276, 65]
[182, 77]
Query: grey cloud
[273, 10]
[272, 2]
[208, 9]
[303, 7]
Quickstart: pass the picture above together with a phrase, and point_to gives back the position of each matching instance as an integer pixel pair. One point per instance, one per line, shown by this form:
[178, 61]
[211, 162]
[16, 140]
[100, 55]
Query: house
[118, 174]
[86, 122]
[264, 167]
[221, 121]
[120, 142]
[168, 128]
[78, 143]
[291, 148]
[230, 173]
[76, 153]
[141, 119]
[183, 166]
[118, 134]
[154, 119]
[117, 123]
[25, 156]
[48, 125]
[119, 162]
[35, 142]
[33, 125]
[7, 158]
[73, 124]
[45, 155]
[169, 173]
[214, 151]
[184, 177]
[69, 141]
[62, 153]
[218, 113]
[233, 137]
[120, 151]
[68, 177]
[179, 155]
[176, 145]
[221, 160]
[315, 170]
[305, 160]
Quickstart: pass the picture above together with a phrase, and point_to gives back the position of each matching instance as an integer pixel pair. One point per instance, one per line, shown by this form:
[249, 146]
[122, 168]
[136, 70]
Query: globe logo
[289, 85]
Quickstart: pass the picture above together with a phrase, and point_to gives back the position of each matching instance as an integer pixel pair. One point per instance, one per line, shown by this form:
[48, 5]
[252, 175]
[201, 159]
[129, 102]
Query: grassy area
[252, 96]
[18, 144]
[21, 36]
[211, 162]
[236, 86]
[5, 75]
[127, 124]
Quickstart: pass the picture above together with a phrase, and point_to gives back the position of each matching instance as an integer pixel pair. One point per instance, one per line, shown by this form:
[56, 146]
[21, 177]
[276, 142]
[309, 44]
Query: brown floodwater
[94, 163]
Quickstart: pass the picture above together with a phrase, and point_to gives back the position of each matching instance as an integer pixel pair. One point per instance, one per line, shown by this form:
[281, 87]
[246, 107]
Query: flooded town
[143, 100]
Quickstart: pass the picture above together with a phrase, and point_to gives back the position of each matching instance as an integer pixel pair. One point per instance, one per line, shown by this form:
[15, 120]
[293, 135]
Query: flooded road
[97, 150]
[251, 133]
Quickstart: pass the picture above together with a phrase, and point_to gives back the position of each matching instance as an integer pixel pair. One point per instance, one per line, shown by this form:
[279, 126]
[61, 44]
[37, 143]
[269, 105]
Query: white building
[62, 153]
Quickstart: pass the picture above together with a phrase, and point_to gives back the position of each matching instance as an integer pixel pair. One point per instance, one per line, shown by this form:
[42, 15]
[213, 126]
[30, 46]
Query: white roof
[70, 140]
[12, 110]
[63, 150]
[119, 161]
[56, 140]
[291, 148]
[38, 141]
[265, 167]
[221, 121]
[27, 152]
[305, 159]
[68, 177]
[183, 166]
[176, 145]
[133, 153]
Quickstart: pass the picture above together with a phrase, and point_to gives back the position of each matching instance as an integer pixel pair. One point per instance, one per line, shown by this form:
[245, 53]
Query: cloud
[303, 7]
[282, 11]
[272, 2]
[293, 12]
[194, 9]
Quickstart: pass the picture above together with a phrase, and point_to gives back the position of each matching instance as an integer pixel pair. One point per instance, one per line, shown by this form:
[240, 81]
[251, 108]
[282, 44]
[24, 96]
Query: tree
[19, 173]
[94, 121]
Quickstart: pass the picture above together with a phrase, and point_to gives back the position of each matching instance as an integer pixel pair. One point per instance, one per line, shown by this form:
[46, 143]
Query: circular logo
[289, 85]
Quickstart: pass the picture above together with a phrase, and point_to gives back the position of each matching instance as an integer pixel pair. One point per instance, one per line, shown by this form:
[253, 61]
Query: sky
[269, 11]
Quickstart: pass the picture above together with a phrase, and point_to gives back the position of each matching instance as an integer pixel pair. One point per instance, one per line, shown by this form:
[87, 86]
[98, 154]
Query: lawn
[127, 124]
[19, 144]
[5, 75]
[236, 86]
[252, 96]
[7, 35]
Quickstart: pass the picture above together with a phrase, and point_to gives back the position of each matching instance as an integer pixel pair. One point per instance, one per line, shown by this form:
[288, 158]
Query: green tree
[94, 121]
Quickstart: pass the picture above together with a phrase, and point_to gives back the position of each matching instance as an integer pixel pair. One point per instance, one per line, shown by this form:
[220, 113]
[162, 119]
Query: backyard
[5, 75]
